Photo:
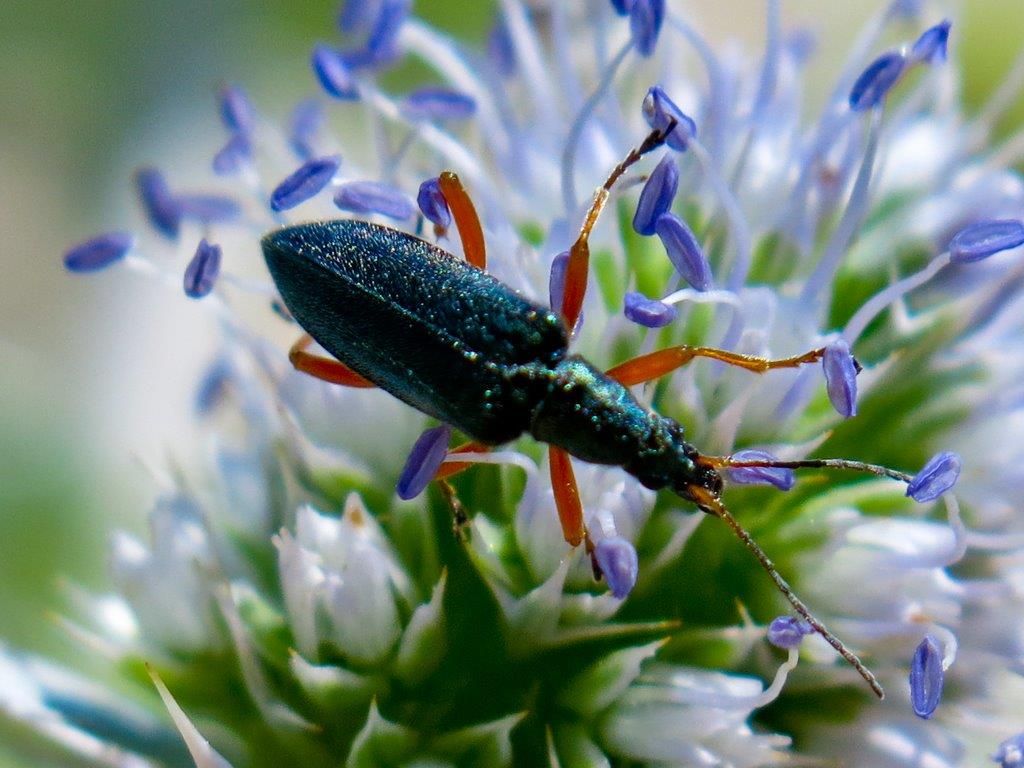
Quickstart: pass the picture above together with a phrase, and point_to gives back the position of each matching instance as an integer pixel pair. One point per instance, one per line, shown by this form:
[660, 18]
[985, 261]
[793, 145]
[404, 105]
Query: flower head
[311, 614]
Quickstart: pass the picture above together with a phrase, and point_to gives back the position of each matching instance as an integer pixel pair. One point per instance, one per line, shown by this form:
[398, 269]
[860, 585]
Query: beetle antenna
[579, 254]
[654, 140]
[857, 466]
[709, 503]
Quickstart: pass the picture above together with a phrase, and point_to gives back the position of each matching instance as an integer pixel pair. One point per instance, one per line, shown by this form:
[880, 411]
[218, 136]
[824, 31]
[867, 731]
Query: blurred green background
[98, 372]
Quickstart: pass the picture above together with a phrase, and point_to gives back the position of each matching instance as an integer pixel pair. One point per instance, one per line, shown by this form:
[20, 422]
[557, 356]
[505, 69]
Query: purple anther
[657, 195]
[368, 197]
[433, 206]
[303, 126]
[99, 252]
[434, 103]
[840, 377]
[684, 251]
[304, 183]
[208, 209]
[926, 678]
[236, 111]
[382, 43]
[233, 156]
[907, 10]
[935, 478]
[202, 271]
[649, 313]
[617, 560]
[788, 631]
[161, 207]
[645, 19]
[659, 111]
[500, 49]
[876, 81]
[932, 45]
[333, 73]
[357, 15]
[212, 386]
[780, 477]
[1010, 753]
[424, 460]
[556, 281]
[984, 238]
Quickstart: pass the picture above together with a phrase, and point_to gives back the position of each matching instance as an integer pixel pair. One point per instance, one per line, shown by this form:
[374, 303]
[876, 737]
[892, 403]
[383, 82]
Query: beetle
[455, 343]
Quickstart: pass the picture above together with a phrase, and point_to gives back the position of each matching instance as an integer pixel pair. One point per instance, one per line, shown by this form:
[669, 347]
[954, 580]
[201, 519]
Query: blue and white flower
[292, 609]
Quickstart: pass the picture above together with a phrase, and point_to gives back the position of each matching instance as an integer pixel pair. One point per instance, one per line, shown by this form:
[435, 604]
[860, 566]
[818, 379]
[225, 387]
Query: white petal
[204, 755]
[361, 605]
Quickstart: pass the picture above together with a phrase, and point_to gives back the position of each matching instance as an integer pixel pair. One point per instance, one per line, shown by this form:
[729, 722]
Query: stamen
[304, 183]
[303, 126]
[985, 238]
[645, 19]
[931, 46]
[382, 44]
[437, 104]
[617, 560]
[455, 154]
[881, 300]
[236, 111]
[840, 377]
[926, 678]
[202, 271]
[523, 33]
[161, 207]
[936, 477]
[684, 251]
[856, 210]
[739, 229]
[333, 73]
[783, 479]
[660, 112]
[657, 195]
[649, 313]
[788, 632]
[366, 197]
[99, 252]
[576, 130]
[876, 81]
[234, 156]
[434, 207]
[500, 50]
[213, 386]
[473, 453]
[208, 209]
[424, 460]
[717, 106]
[357, 15]
[556, 281]
[1010, 753]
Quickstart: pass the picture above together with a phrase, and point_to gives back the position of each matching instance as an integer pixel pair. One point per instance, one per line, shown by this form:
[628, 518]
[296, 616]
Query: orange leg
[656, 364]
[466, 219]
[579, 255]
[563, 482]
[324, 368]
[450, 468]
[567, 496]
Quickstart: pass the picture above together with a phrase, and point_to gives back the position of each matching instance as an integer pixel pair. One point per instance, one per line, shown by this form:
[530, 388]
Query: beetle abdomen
[433, 331]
